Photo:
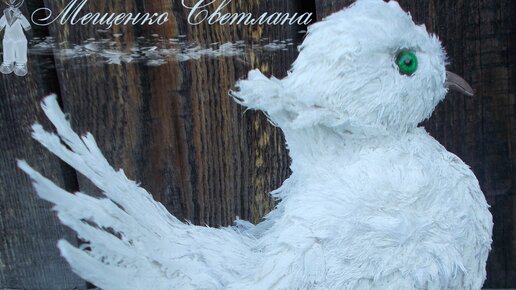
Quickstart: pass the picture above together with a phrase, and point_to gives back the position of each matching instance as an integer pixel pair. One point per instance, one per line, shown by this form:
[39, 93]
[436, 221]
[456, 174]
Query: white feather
[132, 237]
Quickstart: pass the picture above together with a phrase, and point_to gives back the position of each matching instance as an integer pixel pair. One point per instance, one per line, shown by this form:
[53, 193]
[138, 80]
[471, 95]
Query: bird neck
[319, 145]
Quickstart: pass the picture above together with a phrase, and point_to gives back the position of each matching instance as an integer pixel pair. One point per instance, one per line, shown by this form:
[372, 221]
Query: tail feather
[107, 276]
[85, 156]
[134, 243]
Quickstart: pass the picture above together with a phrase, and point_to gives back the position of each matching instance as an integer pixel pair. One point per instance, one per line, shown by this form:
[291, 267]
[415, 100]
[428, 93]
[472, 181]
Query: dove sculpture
[373, 202]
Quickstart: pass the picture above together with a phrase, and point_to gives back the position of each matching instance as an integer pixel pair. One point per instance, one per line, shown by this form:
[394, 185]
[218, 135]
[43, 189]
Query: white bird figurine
[373, 201]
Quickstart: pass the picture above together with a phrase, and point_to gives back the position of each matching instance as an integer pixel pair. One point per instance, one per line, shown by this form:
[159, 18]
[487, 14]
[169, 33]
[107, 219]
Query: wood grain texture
[29, 230]
[173, 127]
[325, 8]
[480, 38]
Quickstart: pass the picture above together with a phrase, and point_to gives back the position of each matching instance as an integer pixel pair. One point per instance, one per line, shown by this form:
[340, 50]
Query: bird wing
[134, 242]
[281, 104]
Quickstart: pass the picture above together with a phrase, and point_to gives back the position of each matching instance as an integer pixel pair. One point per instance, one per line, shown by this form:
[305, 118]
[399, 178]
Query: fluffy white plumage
[373, 201]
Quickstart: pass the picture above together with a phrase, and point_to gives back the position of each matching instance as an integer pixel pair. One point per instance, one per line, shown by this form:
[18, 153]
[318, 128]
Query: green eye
[407, 62]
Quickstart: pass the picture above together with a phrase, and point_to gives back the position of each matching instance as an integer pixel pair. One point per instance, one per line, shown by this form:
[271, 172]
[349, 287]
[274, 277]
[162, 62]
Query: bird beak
[458, 84]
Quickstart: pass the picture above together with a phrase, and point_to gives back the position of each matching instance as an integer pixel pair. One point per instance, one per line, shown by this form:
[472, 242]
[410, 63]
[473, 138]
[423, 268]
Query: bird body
[395, 212]
[373, 202]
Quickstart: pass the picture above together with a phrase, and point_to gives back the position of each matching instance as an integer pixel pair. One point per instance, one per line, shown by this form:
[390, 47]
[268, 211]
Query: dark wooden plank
[172, 127]
[500, 271]
[325, 8]
[29, 258]
[479, 37]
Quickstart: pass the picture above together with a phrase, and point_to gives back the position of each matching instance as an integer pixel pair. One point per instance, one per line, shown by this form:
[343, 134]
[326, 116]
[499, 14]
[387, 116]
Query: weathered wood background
[173, 128]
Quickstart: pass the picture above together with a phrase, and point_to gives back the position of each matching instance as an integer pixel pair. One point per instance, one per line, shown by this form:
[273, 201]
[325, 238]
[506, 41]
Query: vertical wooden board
[101, 98]
[29, 230]
[479, 38]
[500, 269]
[172, 126]
[325, 8]
[240, 157]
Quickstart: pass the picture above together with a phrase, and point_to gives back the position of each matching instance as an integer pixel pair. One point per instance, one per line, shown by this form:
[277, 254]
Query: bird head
[367, 66]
